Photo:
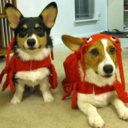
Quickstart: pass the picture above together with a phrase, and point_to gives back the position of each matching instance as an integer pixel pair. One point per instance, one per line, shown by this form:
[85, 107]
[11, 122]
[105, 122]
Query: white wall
[66, 17]
[115, 13]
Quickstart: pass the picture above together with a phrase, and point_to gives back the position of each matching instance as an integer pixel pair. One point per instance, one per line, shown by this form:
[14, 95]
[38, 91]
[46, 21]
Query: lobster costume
[17, 65]
[73, 83]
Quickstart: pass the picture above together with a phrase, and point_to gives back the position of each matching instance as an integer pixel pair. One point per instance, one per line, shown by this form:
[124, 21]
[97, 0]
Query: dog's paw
[123, 114]
[96, 121]
[15, 100]
[48, 98]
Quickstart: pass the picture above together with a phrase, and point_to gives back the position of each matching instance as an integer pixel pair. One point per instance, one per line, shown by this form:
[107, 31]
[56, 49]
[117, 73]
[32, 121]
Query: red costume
[73, 82]
[17, 65]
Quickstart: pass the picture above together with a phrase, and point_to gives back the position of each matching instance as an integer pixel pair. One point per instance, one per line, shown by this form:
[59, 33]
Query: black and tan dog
[31, 64]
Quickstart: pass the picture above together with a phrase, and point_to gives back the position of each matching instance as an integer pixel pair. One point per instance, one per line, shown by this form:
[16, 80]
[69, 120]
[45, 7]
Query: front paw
[15, 100]
[96, 121]
[123, 114]
[48, 98]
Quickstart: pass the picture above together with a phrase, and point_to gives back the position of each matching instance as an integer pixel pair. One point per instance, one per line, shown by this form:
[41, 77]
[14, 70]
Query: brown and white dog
[31, 47]
[91, 75]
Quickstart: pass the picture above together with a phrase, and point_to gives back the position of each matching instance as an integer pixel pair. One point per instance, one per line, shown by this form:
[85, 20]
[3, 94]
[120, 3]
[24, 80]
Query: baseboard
[59, 41]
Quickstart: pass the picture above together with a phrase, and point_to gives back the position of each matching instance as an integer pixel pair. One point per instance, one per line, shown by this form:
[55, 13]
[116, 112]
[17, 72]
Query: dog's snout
[31, 42]
[108, 69]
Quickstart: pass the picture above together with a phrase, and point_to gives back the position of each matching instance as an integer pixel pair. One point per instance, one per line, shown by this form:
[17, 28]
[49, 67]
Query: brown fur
[113, 57]
[73, 43]
[13, 17]
[37, 25]
[91, 60]
[41, 40]
[25, 26]
[21, 41]
[49, 15]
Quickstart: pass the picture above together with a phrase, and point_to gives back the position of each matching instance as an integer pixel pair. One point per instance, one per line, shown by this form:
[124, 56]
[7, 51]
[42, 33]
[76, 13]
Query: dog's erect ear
[13, 15]
[49, 14]
[72, 43]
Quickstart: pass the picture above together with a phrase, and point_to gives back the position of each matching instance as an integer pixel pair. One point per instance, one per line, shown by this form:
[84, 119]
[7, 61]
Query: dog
[31, 65]
[91, 76]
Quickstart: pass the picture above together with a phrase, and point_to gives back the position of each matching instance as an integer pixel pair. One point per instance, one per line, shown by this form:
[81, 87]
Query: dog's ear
[72, 43]
[49, 14]
[13, 15]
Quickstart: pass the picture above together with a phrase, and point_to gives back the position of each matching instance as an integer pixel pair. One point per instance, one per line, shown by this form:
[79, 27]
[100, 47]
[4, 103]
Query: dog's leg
[45, 89]
[121, 109]
[95, 120]
[18, 93]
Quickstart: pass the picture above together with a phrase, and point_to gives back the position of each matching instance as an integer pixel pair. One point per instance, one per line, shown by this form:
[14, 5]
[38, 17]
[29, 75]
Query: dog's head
[31, 34]
[99, 54]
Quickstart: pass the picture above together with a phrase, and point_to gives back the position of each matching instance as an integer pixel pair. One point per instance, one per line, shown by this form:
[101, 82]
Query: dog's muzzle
[31, 42]
[108, 69]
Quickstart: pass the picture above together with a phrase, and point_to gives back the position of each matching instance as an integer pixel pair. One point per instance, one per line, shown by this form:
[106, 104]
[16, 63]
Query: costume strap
[53, 77]
[119, 58]
[120, 87]
[68, 89]
[120, 91]
[9, 82]
[9, 50]
[52, 56]
[74, 95]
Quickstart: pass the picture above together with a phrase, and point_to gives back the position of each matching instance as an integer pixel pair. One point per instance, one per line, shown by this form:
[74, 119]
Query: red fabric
[73, 83]
[9, 50]
[16, 65]
[52, 56]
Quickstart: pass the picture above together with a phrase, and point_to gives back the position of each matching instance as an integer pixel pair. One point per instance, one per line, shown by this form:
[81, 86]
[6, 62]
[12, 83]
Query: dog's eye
[95, 52]
[23, 30]
[39, 31]
[112, 51]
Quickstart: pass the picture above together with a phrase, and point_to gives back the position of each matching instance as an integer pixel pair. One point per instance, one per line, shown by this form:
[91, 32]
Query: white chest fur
[33, 77]
[97, 100]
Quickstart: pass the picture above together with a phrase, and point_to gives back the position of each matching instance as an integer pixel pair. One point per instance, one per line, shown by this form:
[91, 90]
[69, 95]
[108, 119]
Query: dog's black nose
[31, 42]
[108, 69]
